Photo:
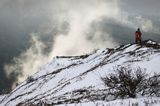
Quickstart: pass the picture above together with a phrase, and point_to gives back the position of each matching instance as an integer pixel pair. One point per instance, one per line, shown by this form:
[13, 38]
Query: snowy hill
[77, 79]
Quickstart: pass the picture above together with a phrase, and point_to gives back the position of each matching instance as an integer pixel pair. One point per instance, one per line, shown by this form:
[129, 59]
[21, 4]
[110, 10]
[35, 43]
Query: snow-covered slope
[78, 78]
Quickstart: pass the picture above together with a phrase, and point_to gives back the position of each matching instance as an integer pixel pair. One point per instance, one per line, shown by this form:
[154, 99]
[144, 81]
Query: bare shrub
[30, 79]
[125, 82]
[152, 86]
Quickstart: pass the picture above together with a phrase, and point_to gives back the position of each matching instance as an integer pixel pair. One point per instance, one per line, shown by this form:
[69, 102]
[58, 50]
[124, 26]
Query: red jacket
[138, 34]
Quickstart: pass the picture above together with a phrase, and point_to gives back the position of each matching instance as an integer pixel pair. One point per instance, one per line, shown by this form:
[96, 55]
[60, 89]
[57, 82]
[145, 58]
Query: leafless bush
[30, 79]
[127, 82]
[152, 86]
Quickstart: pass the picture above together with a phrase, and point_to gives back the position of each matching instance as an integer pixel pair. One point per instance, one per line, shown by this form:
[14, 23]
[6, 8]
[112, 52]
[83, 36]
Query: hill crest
[74, 79]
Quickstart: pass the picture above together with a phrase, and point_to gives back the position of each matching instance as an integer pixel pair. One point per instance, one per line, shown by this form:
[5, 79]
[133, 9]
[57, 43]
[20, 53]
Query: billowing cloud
[71, 21]
[29, 60]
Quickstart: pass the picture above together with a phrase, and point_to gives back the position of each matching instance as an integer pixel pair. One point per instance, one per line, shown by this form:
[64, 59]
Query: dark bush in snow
[152, 86]
[30, 79]
[127, 82]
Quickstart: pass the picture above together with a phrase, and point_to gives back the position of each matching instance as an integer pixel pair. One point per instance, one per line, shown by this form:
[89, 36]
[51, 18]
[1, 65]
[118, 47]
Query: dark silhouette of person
[138, 36]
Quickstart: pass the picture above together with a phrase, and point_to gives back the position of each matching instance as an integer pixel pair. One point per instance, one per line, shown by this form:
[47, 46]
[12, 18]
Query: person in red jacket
[138, 36]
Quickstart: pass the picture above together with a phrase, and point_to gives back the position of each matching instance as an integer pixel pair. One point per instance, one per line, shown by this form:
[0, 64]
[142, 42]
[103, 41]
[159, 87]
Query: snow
[125, 102]
[151, 42]
[131, 48]
[63, 75]
[1, 97]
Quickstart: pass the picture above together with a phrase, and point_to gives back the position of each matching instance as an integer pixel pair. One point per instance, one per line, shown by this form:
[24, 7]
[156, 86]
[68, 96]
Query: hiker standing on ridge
[138, 36]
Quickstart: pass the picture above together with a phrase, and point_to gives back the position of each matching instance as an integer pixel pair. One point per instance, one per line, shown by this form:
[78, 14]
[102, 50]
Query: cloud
[69, 23]
[30, 60]
[72, 27]
[80, 19]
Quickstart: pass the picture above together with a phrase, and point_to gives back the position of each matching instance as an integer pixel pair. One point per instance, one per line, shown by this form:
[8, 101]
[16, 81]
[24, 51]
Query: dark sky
[107, 20]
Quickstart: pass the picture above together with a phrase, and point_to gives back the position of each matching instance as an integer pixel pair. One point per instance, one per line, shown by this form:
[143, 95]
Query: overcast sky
[148, 7]
[32, 30]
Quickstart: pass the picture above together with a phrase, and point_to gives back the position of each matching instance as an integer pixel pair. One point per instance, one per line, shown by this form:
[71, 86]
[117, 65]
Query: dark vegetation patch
[126, 82]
